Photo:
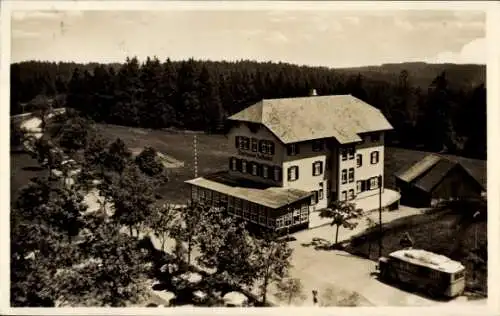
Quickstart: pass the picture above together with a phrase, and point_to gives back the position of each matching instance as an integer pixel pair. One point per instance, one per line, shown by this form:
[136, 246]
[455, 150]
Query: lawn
[212, 157]
[450, 232]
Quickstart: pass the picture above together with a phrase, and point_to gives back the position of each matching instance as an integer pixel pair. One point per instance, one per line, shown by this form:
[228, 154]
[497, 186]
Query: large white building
[295, 155]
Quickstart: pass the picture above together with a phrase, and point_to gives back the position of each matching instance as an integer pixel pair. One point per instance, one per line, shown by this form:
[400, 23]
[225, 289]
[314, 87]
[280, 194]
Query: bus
[437, 275]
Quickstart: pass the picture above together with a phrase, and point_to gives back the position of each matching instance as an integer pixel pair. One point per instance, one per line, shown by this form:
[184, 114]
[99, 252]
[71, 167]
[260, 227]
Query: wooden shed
[435, 178]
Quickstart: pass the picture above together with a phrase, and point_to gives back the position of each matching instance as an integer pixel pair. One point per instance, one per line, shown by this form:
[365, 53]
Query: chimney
[313, 93]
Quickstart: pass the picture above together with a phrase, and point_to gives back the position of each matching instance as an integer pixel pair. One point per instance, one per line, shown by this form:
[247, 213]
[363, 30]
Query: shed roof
[269, 196]
[427, 172]
[292, 120]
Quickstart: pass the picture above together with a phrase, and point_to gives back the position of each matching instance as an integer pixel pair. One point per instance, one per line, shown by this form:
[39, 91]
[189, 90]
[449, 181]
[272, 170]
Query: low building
[437, 178]
[292, 156]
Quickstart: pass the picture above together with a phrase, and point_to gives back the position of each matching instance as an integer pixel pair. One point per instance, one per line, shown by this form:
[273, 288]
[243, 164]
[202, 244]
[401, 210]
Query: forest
[438, 108]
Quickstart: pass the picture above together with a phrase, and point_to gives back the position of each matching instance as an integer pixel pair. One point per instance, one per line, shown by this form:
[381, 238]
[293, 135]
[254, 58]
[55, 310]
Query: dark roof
[430, 179]
[252, 191]
[427, 172]
[292, 120]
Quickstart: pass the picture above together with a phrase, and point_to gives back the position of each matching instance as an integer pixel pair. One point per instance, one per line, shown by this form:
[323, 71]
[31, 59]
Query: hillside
[422, 74]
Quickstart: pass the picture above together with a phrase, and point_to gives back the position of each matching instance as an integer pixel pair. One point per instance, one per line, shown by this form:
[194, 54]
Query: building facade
[325, 147]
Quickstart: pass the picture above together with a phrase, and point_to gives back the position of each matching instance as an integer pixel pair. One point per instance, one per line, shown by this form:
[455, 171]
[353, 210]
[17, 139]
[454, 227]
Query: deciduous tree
[290, 289]
[342, 214]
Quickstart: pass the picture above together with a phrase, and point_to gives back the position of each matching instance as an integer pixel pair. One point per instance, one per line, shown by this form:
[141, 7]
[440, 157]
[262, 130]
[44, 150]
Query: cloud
[473, 52]
[21, 34]
[277, 37]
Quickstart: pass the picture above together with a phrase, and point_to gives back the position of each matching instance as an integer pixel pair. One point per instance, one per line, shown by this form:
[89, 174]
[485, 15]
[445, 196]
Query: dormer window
[318, 145]
[293, 149]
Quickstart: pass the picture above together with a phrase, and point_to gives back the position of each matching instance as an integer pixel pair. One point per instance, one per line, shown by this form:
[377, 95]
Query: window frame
[351, 153]
[351, 194]
[359, 160]
[343, 154]
[254, 144]
[343, 178]
[265, 171]
[289, 170]
[244, 166]
[293, 149]
[255, 169]
[374, 156]
[343, 195]
[321, 191]
[314, 166]
[351, 175]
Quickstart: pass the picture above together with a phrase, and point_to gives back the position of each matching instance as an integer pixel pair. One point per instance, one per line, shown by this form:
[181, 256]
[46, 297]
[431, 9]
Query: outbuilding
[436, 178]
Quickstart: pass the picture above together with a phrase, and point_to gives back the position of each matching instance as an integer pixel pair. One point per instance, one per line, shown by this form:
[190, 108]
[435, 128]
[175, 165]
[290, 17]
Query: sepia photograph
[247, 156]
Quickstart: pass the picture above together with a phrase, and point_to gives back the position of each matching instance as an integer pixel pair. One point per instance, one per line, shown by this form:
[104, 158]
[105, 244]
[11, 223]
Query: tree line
[200, 95]
[63, 254]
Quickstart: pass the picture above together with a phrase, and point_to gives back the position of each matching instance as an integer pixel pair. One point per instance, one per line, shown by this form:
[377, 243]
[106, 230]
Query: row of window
[263, 146]
[345, 175]
[361, 186]
[320, 194]
[293, 171]
[255, 169]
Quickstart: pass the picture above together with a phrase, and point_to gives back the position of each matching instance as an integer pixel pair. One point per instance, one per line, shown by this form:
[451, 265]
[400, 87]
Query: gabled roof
[427, 172]
[292, 120]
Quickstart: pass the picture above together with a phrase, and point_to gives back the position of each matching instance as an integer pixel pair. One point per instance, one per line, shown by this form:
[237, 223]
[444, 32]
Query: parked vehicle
[437, 275]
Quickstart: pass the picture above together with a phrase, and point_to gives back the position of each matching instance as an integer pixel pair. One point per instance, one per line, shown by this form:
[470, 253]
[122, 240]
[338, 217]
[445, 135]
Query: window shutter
[261, 143]
[231, 163]
[321, 167]
[238, 165]
[289, 173]
[297, 173]
[272, 147]
[314, 168]
[288, 150]
[236, 141]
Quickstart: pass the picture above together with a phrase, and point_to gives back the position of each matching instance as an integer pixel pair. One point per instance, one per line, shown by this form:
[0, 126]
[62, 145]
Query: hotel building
[291, 156]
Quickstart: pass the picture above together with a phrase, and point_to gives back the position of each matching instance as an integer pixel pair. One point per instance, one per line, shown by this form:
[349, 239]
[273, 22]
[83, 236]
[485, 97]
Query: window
[374, 157]
[321, 191]
[202, 195]
[243, 166]
[280, 222]
[194, 193]
[223, 199]
[359, 160]
[375, 137]
[304, 217]
[350, 152]
[373, 183]
[277, 174]
[262, 211]
[318, 145]
[358, 186]
[246, 211]
[234, 164]
[293, 173]
[343, 153]
[351, 194]
[271, 222]
[344, 196]
[317, 168]
[265, 171]
[237, 207]
[242, 142]
[254, 145]
[255, 169]
[314, 197]
[253, 212]
[344, 176]
[266, 147]
[293, 149]
[262, 220]
[288, 219]
[215, 197]
[351, 175]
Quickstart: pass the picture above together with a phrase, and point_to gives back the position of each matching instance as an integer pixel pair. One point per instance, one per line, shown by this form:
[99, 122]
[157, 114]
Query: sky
[317, 38]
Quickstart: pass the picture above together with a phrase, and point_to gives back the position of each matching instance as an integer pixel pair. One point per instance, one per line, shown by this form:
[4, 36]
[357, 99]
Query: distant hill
[421, 74]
